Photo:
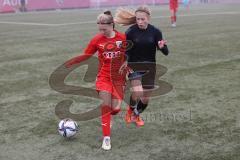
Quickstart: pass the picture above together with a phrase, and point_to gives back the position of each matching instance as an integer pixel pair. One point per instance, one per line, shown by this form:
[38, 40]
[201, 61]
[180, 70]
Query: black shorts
[147, 72]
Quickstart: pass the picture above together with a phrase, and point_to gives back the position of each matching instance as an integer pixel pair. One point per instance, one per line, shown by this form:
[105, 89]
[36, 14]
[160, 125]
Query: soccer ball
[67, 127]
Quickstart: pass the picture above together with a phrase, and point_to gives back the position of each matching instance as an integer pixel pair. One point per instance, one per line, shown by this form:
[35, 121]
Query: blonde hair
[144, 9]
[127, 17]
[105, 18]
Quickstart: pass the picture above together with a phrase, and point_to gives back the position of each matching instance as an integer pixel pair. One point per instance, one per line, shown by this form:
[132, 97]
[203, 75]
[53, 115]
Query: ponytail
[125, 17]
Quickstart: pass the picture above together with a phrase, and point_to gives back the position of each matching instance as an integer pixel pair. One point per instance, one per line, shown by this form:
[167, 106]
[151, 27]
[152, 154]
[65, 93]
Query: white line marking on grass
[86, 22]
[27, 23]
[92, 22]
[45, 24]
[201, 14]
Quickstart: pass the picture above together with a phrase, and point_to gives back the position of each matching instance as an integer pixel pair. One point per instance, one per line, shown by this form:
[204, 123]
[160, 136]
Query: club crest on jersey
[119, 44]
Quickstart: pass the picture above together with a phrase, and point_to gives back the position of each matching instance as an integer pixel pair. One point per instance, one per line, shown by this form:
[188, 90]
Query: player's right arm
[88, 52]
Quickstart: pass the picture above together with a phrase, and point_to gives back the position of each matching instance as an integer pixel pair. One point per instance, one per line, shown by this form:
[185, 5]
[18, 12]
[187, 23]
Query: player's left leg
[148, 84]
[173, 10]
[137, 92]
[173, 17]
[117, 97]
[116, 108]
[175, 13]
[142, 105]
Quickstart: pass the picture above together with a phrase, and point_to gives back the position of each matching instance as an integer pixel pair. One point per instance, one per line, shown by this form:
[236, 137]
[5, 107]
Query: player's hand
[161, 43]
[123, 67]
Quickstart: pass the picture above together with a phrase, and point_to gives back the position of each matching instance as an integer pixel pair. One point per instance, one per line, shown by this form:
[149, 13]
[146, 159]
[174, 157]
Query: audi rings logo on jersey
[111, 55]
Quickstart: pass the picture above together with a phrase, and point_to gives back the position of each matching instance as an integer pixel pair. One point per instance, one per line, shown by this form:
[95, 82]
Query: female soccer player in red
[109, 83]
[173, 6]
[146, 38]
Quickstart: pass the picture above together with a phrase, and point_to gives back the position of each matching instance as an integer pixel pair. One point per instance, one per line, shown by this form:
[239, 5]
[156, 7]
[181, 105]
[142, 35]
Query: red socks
[106, 119]
[173, 16]
[107, 112]
[173, 19]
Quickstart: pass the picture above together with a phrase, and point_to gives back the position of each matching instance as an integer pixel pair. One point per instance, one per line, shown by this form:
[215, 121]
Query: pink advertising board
[104, 3]
[13, 5]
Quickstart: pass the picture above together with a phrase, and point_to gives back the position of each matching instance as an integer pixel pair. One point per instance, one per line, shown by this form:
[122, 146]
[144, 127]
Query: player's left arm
[161, 43]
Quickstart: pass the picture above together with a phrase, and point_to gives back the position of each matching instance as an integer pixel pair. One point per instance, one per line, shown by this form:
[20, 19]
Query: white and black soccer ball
[67, 127]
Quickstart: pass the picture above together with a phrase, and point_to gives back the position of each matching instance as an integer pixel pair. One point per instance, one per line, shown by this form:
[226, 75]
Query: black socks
[139, 108]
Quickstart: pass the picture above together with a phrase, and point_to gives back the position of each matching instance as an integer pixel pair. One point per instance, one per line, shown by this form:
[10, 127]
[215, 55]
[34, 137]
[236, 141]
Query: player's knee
[137, 94]
[136, 87]
[105, 109]
[145, 100]
[106, 103]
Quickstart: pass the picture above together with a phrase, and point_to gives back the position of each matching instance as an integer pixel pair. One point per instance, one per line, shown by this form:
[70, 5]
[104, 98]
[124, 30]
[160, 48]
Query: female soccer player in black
[146, 39]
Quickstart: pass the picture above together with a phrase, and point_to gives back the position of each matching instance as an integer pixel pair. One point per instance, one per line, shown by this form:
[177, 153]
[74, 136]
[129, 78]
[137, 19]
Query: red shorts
[173, 4]
[116, 89]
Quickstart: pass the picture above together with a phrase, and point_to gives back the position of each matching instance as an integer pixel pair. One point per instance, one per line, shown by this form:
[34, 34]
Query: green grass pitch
[198, 120]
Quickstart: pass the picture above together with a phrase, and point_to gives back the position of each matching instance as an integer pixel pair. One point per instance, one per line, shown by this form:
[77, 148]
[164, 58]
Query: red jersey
[110, 55]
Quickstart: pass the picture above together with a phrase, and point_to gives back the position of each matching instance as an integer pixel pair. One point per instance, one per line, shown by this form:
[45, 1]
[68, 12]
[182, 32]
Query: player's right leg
[106, 118]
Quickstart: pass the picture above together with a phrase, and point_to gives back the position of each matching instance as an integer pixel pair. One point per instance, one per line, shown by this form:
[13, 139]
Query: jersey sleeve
[158, 38]
[91, 47]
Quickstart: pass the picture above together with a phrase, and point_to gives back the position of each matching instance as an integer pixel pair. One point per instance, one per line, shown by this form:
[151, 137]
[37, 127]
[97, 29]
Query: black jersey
[145, 43]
